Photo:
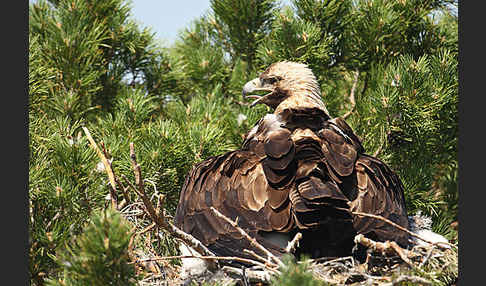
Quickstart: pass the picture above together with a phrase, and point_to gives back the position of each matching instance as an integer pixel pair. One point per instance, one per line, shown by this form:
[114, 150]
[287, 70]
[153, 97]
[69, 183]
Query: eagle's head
[288, 84]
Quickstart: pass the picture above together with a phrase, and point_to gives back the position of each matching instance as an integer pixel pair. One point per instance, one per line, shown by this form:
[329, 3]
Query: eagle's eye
[271, 80]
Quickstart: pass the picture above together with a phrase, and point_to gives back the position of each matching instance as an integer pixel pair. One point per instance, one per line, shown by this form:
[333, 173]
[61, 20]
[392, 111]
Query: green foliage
[382, 30]
[93, 50]
[246, 21]
[98, 256]
[295, 39]
[63, 187]
[412, 105]
[91, 65]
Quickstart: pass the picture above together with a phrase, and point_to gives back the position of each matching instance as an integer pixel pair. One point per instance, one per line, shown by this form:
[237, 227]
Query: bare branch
[260, 258]
[117, 181]
[294, 243]
[377, 152]
[109, 171]
[440, 244]
[253, 275]
[159, 218]
[252, 240]
[213, 257]
[152, 225]
[387, 247]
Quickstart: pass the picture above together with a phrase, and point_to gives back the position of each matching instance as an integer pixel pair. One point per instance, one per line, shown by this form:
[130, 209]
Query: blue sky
[167, 18]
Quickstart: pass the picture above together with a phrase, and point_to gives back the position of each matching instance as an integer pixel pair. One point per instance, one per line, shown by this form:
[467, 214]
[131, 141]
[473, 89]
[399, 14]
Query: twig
[401, 228]
[160, 218]
[387, 247]
[147, 228]
[414, 279]
[252, 240]
[160, 203]
[117, 181]
[130, 185]
[244, 276]
[292, 245]
[253, 275]
[212, 257]
[377, 152]
[429, 254]
[339, 259]
[351, 95]
[260, 258]
[109, 171]
[155, 188]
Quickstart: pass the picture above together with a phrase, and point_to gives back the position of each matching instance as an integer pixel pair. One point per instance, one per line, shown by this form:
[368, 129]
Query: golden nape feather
[298, 170]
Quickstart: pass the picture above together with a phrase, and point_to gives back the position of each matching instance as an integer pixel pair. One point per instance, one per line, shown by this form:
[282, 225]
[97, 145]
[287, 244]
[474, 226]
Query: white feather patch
[422, 226]
[191, 266]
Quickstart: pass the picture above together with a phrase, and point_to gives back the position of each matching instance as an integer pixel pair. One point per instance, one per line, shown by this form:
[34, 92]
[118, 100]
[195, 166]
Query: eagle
[298, 170]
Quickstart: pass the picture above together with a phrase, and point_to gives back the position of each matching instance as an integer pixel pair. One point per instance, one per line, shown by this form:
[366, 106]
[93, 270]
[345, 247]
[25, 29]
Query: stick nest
[386, 262]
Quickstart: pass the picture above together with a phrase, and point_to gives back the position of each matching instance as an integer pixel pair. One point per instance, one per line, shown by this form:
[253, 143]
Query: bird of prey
[298, 170]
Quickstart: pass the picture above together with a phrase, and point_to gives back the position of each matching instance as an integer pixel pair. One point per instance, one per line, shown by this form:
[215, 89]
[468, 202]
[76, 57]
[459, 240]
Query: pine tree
[389, 67]
[99, 255]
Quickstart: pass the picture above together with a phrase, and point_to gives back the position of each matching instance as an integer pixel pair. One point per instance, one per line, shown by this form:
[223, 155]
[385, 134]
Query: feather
[298, 169]
[278, 143]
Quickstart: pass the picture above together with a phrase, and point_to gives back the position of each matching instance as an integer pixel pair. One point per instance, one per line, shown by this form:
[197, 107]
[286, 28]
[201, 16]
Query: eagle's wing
[239, 186]
[235, 183]
[288, 177]
[379, 191]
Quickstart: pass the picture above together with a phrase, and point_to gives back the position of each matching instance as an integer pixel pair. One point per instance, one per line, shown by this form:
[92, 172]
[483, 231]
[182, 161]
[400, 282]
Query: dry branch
[440, 244]
[252, 275]
[115, 178]
[109, 171]
[377, 151]
[331, 261]
[427, 257]
[260, 258]
[252, 240]
[159, 217]
[387, 247]
[212, 257]
[294, 243]
[414, 279]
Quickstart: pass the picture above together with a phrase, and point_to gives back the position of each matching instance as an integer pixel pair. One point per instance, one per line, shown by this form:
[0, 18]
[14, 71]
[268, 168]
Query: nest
[426, 263]
[423, 264]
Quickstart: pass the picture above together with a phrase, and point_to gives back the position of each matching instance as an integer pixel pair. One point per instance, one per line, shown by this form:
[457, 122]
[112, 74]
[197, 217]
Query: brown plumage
[298, 170]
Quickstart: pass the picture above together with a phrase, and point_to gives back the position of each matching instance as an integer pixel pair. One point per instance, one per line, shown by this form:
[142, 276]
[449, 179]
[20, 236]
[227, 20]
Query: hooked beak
[255, 85]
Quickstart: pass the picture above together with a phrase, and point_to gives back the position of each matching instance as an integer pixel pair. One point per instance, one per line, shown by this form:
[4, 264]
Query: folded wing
[288, 178]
